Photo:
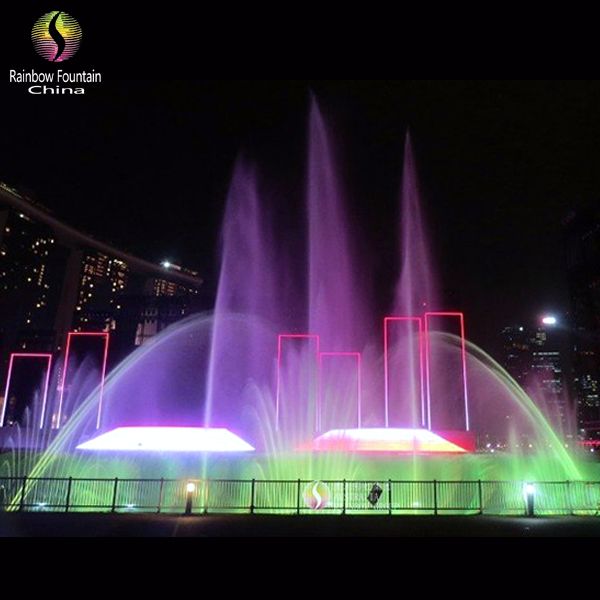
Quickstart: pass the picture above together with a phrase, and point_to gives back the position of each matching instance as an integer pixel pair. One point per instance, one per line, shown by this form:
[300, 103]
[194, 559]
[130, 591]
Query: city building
[582, 241]
[534, 355]
[55, 279]
[31, 278]
[163, 303]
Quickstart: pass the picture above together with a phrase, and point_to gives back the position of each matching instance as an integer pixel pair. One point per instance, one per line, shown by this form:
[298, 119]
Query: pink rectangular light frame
[281, 338]
[386, 359]
[358, 357]
[463, 342]
[70, 335]
[14, 355]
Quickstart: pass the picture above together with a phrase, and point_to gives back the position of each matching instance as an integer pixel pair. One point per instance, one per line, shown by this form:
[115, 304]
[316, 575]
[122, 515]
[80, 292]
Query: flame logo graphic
[56, 36]
[316, 495]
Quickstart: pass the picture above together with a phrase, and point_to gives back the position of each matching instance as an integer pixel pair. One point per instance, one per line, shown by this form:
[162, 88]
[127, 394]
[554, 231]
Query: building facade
[31, 279]
[534, 355]
[55, 280]
[582, 241]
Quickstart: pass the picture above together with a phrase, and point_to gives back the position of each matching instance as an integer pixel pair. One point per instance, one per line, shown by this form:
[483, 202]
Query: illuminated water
[232, 368]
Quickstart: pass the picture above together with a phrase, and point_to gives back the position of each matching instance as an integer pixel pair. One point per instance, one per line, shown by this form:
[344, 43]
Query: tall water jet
[336, 294]
[248, 301]
[416, 293]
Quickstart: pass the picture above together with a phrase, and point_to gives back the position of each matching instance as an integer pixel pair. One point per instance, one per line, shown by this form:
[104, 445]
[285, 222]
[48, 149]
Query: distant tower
[582, 245]
[534, 356]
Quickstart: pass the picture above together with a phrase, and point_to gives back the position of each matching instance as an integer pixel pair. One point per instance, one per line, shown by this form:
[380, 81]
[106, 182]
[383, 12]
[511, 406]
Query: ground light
[190, 489]
[530, 499]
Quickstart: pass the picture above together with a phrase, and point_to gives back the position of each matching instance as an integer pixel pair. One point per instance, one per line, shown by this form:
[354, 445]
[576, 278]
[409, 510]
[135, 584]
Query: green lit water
[471, 467]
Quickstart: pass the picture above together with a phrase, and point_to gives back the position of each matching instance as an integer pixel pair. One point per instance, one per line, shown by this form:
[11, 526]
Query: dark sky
[146, 164]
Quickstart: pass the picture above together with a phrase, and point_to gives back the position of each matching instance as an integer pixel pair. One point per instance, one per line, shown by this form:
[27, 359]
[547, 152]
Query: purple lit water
[293, 348]
[250, 305]
[337, 303]
[235, 365]
[332, 378]
[243, 366]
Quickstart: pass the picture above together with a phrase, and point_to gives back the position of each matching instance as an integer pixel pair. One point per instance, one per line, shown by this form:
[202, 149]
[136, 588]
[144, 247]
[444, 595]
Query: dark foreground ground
[85, 525]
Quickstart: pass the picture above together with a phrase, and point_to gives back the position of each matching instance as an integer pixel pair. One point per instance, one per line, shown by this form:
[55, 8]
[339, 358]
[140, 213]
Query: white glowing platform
[167, 439]
[417, 441]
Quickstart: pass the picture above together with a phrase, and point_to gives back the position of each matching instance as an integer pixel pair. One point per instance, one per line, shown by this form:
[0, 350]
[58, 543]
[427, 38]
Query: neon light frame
[71, 334]
[46, 382]
[463, 342]
[386, 363]
[290, 336]
[358, 357]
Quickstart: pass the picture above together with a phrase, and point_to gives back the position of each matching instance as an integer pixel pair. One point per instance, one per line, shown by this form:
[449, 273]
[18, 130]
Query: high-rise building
[103, 281]
[582, 237]
[55, 279]
[31, 277]
[534, 356]
[163, 303]
[516, 356]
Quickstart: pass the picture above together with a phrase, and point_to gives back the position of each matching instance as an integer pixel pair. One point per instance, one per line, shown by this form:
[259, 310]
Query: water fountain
[294, 376]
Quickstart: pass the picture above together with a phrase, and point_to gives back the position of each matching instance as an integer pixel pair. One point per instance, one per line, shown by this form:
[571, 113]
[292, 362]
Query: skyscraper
[582, 240]
[533, 354]
[31, 277]
[55, 279]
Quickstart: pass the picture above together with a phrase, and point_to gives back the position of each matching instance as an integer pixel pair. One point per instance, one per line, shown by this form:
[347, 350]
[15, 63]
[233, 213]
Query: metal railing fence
[299, 497]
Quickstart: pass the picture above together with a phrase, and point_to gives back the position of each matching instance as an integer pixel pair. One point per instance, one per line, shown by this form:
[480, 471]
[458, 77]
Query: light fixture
[190, 491]
[530, 499]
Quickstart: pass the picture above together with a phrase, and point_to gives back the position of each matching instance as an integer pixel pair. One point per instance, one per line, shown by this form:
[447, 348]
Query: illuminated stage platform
[407, 441]
[206, 440]
[167, 439]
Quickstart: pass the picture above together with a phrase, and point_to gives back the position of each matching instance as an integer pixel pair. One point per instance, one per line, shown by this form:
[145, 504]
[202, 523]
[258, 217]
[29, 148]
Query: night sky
[146, 164]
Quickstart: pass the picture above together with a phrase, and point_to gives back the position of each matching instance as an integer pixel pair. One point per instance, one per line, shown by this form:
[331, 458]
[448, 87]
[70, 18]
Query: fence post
[22, 501]
[114, 498]
[390, 505]
[160, 495]
[253, 489]
[480, 492]
[435, 498]
[68, 500]
[299, 491]
[344, 497]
